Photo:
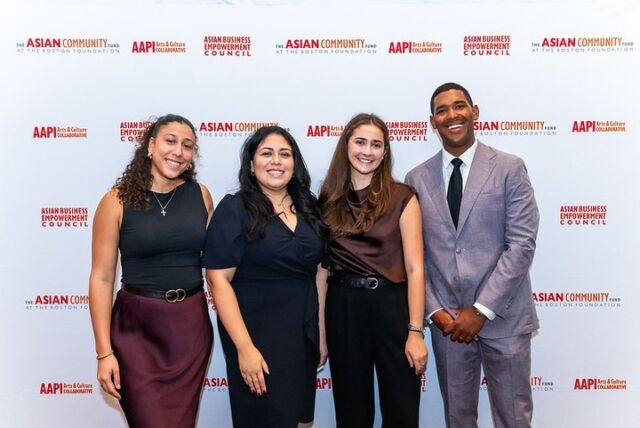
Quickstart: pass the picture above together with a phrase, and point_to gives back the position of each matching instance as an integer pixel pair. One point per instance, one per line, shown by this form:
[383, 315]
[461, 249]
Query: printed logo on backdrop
[215, 384]
[227, 46]
[51, 132]
[324, 130]
[230, 129]
[597, 44]
[64, 217]
[324, 383]
[601, 384]
[158, 47]
[583, 215]
[60, 45]
[64, 388]
[415, 47]
[131, 132]
[592, 126]
[57, 302]
[337, 46]
[514, 128]
[576, 299]
[398, 130]
[538, 384]
[486, 45]
[210, 302]
[407, 130]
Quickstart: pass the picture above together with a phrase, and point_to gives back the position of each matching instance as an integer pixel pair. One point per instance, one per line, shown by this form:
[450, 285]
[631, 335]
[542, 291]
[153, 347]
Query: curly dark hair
[299, 187]
[136, 180]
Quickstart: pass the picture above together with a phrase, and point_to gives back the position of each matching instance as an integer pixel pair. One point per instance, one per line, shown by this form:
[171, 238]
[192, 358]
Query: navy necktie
[454, 192]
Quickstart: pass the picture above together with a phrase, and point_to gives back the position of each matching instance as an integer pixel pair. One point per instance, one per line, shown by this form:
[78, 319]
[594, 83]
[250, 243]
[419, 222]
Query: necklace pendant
[163, 212]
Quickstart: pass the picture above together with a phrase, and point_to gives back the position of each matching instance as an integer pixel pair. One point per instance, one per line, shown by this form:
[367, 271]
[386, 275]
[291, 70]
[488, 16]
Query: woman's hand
[253, 367]
[109, 375]
[416, 352]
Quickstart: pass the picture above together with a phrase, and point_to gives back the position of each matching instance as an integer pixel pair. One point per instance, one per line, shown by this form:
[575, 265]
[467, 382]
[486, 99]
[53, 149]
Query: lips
[173, 163]
[275, 172]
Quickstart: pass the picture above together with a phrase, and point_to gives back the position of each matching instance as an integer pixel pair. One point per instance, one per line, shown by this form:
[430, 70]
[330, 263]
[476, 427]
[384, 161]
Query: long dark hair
[336, 185]
[258, 204]
[136, 179]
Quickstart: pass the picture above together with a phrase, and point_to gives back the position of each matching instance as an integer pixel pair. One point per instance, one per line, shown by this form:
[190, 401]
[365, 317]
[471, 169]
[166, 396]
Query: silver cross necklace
[163, 208]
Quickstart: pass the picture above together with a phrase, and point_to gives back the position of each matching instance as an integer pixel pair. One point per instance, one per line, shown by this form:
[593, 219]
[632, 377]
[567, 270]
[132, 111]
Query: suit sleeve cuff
[484, 311]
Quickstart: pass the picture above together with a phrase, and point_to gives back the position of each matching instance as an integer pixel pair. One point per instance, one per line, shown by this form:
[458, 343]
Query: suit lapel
[481, 168]
[435, 187]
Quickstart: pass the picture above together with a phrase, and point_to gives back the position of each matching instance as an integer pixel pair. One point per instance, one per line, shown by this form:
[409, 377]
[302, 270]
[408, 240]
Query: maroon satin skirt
[163, 350]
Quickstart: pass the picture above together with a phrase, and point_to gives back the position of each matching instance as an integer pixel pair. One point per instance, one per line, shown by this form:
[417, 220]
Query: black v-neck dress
[274, 284]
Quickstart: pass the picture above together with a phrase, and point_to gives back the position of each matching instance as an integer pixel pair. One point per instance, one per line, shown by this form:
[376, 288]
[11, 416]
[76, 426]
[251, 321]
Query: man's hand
[441, 319]
[466, 326]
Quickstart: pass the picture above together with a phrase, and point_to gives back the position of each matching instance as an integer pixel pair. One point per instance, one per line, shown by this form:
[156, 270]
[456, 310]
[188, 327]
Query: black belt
[359, 281]
[172, 296]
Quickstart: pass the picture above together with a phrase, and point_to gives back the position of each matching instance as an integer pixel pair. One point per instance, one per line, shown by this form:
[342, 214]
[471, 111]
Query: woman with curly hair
[153, 345]
[375, 297]
[263, 248]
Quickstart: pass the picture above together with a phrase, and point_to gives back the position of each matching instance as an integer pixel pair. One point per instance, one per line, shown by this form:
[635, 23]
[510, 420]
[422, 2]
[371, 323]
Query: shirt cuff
[428, 319]
[485, 311]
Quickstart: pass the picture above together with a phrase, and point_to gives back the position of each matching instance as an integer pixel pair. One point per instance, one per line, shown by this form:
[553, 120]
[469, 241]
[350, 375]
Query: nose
[451, 112]
[178, 149]
[275, 159]
[366, 149]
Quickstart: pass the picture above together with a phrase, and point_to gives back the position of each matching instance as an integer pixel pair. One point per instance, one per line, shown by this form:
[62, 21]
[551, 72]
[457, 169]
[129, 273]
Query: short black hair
[447, 87]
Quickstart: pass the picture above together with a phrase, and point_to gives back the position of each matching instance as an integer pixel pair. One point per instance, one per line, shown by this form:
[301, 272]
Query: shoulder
[109, 208]
[206, 196]
[418, 172]
[504, 159]
[233, 203]
[402, 190]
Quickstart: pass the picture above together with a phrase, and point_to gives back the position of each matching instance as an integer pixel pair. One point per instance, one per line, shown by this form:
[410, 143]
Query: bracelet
[417, 329]
[98, 357]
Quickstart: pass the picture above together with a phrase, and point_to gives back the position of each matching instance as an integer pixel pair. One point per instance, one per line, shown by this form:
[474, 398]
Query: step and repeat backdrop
[556, 83]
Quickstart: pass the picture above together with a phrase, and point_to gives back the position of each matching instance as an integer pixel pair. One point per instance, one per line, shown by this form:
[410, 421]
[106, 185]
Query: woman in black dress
[262, 252]
[153, 346]
[375, 298]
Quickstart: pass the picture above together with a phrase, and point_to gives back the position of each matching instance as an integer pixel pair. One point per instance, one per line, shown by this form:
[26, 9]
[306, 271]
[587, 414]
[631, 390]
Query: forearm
[100, 304]
[229, 313]
[322, 286]
[415, 298]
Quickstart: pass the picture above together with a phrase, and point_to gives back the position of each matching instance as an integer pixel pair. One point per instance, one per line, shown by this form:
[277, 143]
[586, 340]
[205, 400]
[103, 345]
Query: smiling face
[172, 151]
[453, 118]
[365, 150]
[273, 163]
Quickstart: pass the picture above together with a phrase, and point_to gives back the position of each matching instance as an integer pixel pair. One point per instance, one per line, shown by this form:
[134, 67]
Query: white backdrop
[77, 76]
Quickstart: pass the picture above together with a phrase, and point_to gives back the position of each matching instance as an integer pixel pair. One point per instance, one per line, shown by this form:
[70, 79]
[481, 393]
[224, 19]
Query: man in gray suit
[480, 222]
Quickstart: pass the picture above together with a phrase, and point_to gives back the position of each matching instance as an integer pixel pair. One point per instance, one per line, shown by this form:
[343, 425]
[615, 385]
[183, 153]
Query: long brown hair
[136, 179]
[336, 185]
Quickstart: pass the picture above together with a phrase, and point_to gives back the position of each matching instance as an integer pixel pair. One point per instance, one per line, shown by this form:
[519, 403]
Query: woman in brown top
[375, 298]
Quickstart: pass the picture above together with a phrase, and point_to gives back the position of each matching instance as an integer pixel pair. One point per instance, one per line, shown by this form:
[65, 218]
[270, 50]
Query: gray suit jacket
[487, 259]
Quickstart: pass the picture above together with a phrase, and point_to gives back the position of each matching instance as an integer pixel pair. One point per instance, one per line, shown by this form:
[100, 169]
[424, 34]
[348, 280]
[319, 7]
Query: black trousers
[367, 330]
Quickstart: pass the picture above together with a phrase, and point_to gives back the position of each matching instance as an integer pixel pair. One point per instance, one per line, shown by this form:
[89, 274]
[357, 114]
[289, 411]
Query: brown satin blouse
[379, 250]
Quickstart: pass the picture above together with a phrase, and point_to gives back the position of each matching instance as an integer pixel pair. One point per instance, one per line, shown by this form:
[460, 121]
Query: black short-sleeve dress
[274, 284]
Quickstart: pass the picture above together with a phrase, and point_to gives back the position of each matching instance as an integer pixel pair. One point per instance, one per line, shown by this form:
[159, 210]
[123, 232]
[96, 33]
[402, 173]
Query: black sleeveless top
[163, 252]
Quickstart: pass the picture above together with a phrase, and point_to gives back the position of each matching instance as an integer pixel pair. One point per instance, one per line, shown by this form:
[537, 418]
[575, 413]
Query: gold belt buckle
[175, 296]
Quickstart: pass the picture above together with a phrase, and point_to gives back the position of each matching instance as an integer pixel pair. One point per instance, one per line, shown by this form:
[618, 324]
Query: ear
[433, 123]
[476, 112]
[152, 142]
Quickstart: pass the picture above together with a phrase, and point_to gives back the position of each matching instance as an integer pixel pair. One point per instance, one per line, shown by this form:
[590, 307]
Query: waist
[372, 282]
[175, 295]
